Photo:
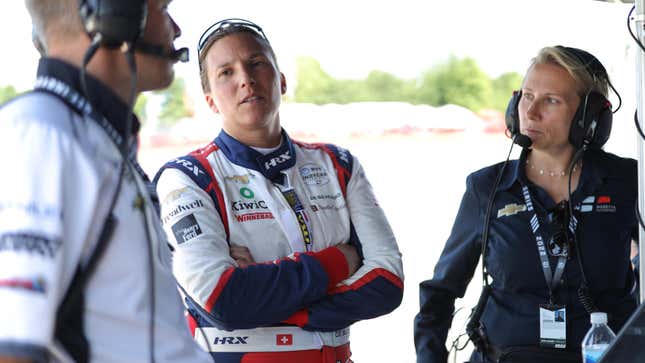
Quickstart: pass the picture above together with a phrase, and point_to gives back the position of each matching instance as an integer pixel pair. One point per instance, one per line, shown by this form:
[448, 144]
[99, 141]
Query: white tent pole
[639, 21]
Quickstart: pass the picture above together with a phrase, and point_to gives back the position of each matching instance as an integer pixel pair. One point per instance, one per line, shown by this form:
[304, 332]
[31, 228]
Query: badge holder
[553, 326]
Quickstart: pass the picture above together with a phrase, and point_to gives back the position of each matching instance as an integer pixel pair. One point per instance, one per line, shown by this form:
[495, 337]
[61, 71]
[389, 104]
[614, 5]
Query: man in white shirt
[84, 265]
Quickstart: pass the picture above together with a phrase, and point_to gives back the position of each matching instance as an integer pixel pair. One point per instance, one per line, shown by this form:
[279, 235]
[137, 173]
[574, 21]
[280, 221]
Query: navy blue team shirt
[605, 208]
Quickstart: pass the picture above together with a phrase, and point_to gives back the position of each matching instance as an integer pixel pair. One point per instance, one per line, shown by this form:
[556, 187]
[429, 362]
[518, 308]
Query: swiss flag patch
[284, 339]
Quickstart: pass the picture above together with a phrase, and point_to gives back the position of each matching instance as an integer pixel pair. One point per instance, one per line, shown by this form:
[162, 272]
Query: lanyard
[292, 199]
[552, 280]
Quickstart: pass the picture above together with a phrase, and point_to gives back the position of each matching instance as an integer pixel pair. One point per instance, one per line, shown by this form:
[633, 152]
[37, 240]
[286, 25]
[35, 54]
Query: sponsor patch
[284, 339]
[174, 195]
[230, 340]
[273, 162]
[240, 179]
[29, 243]
[604, 199]
[182, 208]
[600, 204]
[186, 229]
[343, 154]
[318, 207]
[32, 208]
[188, 165]
[35, 284]
[247, 193]
[511, 209]
[325, 196]
[254, 216]
[242, 205]
[313, 174]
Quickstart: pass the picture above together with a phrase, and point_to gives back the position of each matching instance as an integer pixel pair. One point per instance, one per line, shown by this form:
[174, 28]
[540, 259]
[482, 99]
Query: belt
[270, 339]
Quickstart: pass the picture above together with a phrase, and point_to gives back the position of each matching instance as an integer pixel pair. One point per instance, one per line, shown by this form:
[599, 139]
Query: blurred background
[416, 89]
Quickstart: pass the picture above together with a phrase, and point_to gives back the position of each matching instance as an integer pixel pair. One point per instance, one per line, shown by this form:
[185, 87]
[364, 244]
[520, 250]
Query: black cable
[620, 99]
[638, 126]
[489, 208]
[94, 46]
[475, 314]
[632, 32]
[583, 291]
[126, 148]
[639, 216]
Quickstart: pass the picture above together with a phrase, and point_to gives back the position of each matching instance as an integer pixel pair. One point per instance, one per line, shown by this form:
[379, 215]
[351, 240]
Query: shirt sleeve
[233, 297]
[377, 287]
[33, 272]
[452, 274]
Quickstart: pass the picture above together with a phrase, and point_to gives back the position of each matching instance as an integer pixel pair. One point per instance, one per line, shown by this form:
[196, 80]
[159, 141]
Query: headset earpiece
[512, 117]
[591, 125]
[117, 21]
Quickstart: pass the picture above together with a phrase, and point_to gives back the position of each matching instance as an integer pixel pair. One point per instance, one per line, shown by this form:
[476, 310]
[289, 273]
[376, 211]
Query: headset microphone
[175, 55]
[522, 140]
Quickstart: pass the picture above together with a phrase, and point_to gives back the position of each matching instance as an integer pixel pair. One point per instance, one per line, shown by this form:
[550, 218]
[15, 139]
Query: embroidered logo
[186, 229]
[240, 179]
[602, 204]
[511, 209]
[284, 339]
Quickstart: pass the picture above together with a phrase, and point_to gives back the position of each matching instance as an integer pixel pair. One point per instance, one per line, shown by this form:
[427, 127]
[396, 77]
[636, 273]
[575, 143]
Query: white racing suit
[297, 300]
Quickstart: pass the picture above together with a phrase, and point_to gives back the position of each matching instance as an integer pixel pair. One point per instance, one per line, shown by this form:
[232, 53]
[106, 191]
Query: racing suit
[54, 200]
[289, 208]
[604, 207]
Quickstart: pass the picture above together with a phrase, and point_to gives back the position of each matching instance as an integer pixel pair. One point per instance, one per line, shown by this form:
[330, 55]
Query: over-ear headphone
[117, 21]
[591, 125]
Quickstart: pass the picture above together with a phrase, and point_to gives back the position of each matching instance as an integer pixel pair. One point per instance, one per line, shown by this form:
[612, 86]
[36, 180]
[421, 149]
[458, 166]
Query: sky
[352, 37]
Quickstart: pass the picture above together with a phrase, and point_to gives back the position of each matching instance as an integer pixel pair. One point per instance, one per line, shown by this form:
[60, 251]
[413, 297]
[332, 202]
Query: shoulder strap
[196, 166]
[69, 328]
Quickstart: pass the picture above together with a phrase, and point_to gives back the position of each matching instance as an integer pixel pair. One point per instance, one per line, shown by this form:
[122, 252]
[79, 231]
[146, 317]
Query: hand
[241, 255]
[351, 255]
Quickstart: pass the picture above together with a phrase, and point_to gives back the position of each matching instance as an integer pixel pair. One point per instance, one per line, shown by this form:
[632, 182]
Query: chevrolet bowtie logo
[511, 209]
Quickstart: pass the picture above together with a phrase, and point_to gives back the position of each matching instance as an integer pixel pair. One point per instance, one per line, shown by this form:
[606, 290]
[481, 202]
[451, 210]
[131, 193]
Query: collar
[104, 101]
[269, 165]
[594, 170]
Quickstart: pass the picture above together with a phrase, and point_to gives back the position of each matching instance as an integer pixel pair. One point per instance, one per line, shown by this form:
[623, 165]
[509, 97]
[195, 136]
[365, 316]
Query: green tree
[7, 93]
[313, 84]
[458, 81]
[140, 107]
[503, 87]
[383, 86]
[175, 104]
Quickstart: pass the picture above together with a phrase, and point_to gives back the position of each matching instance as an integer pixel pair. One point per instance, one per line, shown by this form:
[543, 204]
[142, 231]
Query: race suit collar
[103, 100]
[595, 168]
[268, 165]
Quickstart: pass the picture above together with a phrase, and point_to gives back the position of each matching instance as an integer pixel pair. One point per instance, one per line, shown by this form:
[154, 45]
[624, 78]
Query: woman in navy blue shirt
[557, 228]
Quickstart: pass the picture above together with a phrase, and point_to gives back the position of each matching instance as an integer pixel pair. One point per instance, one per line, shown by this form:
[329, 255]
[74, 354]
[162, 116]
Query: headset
[114, 24]
[116, 21]
[591, 125]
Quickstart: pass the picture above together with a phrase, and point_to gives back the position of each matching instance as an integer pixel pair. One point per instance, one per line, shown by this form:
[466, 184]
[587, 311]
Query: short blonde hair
[59, 17]
[586, 70]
